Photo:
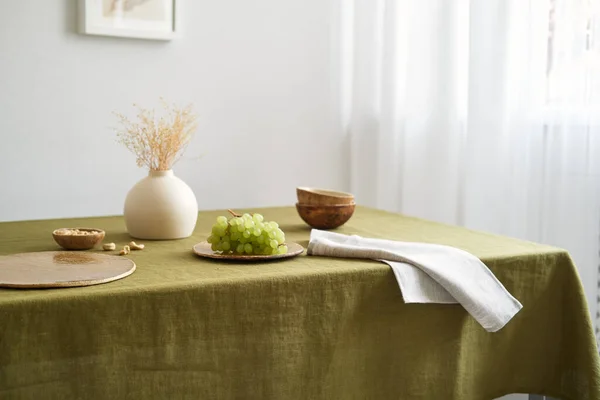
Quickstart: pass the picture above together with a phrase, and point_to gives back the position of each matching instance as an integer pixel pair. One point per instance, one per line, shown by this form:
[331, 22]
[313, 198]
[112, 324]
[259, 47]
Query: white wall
[259, 75]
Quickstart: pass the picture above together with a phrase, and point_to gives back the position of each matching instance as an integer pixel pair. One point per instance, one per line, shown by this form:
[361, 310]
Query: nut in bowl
[325, 216]
[78, 238]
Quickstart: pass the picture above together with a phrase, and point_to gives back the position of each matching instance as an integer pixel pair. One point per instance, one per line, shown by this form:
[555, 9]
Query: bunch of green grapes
[247, 234]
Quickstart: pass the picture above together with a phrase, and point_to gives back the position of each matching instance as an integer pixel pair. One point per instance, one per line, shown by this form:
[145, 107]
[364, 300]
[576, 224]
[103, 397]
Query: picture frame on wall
[140, 19]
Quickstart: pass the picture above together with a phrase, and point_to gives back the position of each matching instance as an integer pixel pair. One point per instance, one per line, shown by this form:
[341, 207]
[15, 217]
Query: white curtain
[483, 113]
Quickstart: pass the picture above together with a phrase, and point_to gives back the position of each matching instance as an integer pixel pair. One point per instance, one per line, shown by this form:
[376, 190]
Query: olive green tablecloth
[182, 327]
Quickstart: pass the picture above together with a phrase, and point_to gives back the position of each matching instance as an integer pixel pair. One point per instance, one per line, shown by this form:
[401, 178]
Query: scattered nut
[109, 246]
[135, 246]
[125, 251]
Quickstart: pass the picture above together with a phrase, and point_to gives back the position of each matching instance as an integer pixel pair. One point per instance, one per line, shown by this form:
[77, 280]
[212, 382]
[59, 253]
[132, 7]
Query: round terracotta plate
[50, 269]
[203, 250]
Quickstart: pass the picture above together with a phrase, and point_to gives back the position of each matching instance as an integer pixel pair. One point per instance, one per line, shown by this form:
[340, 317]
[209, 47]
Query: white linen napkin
[429, 273]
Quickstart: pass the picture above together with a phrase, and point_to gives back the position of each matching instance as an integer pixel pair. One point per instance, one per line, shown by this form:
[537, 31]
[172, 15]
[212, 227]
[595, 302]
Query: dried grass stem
[157, 143]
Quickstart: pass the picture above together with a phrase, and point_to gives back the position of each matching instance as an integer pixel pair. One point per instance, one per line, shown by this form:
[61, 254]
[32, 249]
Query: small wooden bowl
[325, 216]
[323, 197]
[78, 242]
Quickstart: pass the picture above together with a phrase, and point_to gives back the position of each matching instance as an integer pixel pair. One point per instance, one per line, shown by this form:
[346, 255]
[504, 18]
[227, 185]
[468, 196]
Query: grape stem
[233, 213]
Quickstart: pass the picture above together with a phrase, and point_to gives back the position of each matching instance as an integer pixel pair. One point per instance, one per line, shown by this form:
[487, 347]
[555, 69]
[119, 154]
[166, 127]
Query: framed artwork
[142, 19]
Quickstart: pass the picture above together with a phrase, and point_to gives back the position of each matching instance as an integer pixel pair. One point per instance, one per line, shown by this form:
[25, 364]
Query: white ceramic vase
[159, 207]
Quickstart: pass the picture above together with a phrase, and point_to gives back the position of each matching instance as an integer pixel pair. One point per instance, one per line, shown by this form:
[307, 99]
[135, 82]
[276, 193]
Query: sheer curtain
[483, 113]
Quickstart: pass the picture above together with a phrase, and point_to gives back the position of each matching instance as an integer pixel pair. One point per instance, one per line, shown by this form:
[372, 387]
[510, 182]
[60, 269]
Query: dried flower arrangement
[157, 143]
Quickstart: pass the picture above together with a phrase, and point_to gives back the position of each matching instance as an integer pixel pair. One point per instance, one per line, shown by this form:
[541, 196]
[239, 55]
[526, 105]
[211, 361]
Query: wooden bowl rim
[326, 192]
[304, 205]
[98, 232]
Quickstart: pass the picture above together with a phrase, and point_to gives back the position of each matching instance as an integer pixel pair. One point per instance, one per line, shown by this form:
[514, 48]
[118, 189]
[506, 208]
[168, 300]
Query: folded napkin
[429, 273]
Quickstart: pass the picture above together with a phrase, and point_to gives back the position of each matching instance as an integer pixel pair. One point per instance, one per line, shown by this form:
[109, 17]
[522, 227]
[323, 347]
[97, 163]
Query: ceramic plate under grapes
[203, 250]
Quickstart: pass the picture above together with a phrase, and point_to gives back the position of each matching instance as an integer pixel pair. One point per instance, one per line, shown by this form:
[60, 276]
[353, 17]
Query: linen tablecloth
[182, 327]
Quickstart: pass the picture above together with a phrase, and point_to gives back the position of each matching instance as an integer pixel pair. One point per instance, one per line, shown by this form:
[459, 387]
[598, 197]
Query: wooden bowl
[323, 197]
[78, 242]
[325, 216]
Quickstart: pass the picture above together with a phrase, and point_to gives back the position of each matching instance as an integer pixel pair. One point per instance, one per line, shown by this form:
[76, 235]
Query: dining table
[306, 327]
